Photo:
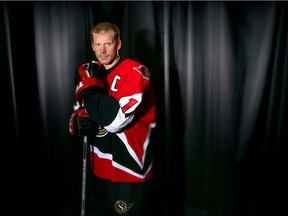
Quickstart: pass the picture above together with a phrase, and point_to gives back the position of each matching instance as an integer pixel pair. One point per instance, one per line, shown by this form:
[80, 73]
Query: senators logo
[144, 71]
[122, 207]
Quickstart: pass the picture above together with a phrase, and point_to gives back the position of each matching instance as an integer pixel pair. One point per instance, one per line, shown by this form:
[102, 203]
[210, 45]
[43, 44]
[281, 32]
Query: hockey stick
[84, 176]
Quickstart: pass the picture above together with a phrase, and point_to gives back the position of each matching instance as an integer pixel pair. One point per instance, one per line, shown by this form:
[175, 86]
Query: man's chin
[105, 61]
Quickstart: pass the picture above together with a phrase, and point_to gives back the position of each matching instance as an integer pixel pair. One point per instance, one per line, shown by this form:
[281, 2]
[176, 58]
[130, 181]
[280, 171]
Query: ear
[92, 45]
[119, 44]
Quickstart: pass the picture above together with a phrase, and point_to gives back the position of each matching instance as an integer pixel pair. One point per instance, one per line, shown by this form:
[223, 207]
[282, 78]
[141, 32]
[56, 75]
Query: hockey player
[115, 104]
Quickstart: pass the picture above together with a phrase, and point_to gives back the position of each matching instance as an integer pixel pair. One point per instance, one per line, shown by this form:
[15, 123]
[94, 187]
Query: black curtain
[220, 74]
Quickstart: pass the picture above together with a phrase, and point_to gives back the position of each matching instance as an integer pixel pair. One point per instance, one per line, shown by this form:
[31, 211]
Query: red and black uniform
[126, 113]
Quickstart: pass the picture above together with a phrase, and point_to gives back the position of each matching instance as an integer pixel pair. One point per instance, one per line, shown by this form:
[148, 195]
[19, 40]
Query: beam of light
[10, 65]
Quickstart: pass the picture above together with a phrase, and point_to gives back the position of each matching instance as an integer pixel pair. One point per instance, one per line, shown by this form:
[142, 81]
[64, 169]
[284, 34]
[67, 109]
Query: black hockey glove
[81, 124]
[96, 70]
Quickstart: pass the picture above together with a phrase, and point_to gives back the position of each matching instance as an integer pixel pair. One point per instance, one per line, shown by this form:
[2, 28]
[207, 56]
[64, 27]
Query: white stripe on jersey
[121, 120]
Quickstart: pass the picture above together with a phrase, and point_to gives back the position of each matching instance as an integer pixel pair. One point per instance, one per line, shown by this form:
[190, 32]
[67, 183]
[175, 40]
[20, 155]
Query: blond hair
[105, 27]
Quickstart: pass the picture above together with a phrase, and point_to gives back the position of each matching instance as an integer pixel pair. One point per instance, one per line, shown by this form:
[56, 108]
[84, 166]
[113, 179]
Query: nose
[103, 49]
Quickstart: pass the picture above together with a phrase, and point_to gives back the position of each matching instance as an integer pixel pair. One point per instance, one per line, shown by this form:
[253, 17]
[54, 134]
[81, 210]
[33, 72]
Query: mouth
[104, 57]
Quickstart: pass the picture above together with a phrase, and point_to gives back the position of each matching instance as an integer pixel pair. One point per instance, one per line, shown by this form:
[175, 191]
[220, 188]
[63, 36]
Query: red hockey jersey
[121, 152]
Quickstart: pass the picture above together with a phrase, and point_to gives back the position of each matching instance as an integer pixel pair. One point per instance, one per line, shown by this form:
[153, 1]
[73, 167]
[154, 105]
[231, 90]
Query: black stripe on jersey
[112, 144]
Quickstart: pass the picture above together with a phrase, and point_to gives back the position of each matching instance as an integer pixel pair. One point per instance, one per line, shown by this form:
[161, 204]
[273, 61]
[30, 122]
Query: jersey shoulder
[138, 67]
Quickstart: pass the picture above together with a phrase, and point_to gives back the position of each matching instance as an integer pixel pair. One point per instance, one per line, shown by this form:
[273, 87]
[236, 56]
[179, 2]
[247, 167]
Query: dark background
[220, 74]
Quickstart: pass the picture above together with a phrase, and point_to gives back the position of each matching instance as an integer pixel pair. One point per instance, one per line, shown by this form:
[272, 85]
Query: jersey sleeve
[130, 97]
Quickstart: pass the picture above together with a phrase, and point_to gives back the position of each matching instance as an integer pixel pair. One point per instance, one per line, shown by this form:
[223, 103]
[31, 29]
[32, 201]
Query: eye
[107, 44]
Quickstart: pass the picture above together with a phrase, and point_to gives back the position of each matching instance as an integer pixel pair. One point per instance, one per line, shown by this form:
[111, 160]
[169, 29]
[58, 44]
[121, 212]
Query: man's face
[106, 48]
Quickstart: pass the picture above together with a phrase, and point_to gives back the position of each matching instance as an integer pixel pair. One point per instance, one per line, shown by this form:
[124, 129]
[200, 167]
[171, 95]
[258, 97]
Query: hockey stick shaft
[83, 198]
